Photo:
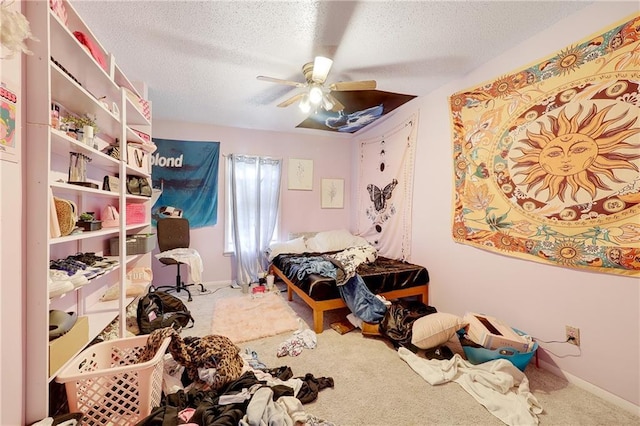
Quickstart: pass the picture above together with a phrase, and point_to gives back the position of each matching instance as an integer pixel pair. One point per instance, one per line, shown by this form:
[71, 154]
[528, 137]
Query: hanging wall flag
[385, 189]
[187, 172]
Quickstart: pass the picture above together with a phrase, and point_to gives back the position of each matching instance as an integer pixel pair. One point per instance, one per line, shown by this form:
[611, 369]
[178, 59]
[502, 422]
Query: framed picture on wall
[300, 174]
[332, 196]
[9, 123]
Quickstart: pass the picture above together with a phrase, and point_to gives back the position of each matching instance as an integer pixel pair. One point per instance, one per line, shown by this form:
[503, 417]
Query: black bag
[158, 309]
[397, 323]
[137, 185]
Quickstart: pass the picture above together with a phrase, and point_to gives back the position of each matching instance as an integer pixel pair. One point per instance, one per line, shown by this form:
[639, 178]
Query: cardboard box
[492, 333]
[66, 346]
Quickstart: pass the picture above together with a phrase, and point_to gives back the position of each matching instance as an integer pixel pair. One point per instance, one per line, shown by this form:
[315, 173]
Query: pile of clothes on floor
[208, 381]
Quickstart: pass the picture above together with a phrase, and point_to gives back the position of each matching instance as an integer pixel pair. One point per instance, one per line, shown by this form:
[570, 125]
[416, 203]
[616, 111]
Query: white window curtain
[255, 197]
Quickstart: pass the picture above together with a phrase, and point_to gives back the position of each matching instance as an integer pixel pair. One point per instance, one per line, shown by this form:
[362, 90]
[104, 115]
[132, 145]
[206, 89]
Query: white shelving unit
[61, 70]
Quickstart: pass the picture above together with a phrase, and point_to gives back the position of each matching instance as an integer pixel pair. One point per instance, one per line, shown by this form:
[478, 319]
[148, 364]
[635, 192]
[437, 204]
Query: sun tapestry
[547, 159]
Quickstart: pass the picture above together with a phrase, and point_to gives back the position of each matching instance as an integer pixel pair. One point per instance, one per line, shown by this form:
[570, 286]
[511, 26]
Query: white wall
[537, 298]
[11, 247]
[300, 210]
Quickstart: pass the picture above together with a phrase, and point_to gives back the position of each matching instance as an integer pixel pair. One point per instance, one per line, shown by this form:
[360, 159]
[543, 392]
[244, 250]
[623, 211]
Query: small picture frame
[332, 196]
[300, 174]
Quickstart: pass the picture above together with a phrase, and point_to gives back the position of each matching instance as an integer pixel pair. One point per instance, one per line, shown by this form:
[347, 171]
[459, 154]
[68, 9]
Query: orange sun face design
[567, 153]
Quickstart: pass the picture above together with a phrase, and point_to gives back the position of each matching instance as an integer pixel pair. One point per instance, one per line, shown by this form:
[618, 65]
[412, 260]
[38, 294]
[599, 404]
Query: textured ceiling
[200, 59]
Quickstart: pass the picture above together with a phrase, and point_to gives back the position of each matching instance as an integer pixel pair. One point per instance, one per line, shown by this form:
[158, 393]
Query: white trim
[589, 387]
[220, 283]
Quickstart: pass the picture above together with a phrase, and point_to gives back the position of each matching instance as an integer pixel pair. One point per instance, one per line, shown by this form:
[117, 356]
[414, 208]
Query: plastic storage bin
[136, 244]
[480, 355]
[105, 383]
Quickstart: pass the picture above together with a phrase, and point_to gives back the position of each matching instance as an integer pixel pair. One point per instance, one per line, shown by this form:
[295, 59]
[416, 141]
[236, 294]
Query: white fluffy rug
[245, 318]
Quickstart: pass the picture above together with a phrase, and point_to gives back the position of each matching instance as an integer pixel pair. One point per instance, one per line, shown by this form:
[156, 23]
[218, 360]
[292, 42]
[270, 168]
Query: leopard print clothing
[211, 351]
[214, 351]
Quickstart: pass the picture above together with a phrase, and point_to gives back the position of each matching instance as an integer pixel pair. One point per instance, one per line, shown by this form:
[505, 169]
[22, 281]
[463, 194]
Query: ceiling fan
[316, 93]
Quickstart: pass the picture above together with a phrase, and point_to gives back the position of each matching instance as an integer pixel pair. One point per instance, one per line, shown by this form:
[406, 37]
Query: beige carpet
[244, 318]
[375, 387]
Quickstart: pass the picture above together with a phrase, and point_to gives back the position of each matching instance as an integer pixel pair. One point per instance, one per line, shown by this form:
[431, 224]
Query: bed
[390, 278]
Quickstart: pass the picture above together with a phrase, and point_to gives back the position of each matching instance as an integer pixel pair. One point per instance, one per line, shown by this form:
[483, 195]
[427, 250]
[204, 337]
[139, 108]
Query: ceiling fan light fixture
[315, 95]
[327, 104]
[304, 104]
[321, 67]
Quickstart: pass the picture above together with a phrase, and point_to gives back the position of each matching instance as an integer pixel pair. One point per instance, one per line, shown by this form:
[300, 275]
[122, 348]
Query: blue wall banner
[187, 172]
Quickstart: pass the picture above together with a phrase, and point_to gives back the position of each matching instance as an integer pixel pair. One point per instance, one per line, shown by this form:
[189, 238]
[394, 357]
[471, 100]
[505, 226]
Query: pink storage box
[136, 214]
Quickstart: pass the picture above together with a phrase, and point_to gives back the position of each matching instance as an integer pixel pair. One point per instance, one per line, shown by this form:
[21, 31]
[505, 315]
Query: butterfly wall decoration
[379, 196]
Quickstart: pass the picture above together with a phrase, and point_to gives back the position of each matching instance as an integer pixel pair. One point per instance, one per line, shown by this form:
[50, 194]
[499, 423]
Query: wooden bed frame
[320, 306]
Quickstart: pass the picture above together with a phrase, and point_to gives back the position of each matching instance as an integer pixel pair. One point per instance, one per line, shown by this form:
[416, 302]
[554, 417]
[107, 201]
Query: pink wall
[11, 247]
[537, 298]
[300, 209]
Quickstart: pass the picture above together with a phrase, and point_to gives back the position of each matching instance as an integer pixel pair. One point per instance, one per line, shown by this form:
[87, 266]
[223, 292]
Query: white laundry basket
[105, 383]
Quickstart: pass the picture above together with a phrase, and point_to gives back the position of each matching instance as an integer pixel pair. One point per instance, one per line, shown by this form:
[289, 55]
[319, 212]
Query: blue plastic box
[480, 355]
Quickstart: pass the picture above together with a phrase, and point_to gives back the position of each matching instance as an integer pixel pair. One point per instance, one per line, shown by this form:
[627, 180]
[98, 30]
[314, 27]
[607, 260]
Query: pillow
[294, 246]
[435, 329]
[334, 241]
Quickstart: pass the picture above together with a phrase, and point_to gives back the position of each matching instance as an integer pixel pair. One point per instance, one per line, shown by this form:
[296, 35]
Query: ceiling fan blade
[337, 105]
[321, 68]
[291, 100]
[353, 85]
[280, 81]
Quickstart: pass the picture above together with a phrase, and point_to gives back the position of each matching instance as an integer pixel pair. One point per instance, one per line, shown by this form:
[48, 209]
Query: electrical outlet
[573, 335]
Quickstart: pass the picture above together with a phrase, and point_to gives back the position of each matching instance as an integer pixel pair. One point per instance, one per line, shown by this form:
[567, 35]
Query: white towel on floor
[498, 385]
[189, 257]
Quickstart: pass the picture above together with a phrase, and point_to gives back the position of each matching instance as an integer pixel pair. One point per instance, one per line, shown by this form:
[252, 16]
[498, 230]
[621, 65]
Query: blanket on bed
[341, 266]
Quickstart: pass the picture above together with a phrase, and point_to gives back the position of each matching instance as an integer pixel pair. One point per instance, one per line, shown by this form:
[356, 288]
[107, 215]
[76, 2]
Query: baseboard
[221, 283]
[589, 387]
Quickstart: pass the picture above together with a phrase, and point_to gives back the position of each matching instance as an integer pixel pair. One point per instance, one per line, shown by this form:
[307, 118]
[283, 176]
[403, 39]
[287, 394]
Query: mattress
[380, 276]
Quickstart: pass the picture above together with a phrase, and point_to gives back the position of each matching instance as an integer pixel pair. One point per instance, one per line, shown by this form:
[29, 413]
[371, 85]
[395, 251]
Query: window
[229, 245]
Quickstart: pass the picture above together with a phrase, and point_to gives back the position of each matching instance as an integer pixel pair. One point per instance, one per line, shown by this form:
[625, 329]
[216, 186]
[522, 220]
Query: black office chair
[174, 233]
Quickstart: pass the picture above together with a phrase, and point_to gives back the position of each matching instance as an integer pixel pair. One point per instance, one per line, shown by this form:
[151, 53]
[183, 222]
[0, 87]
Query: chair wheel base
[178, 289]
